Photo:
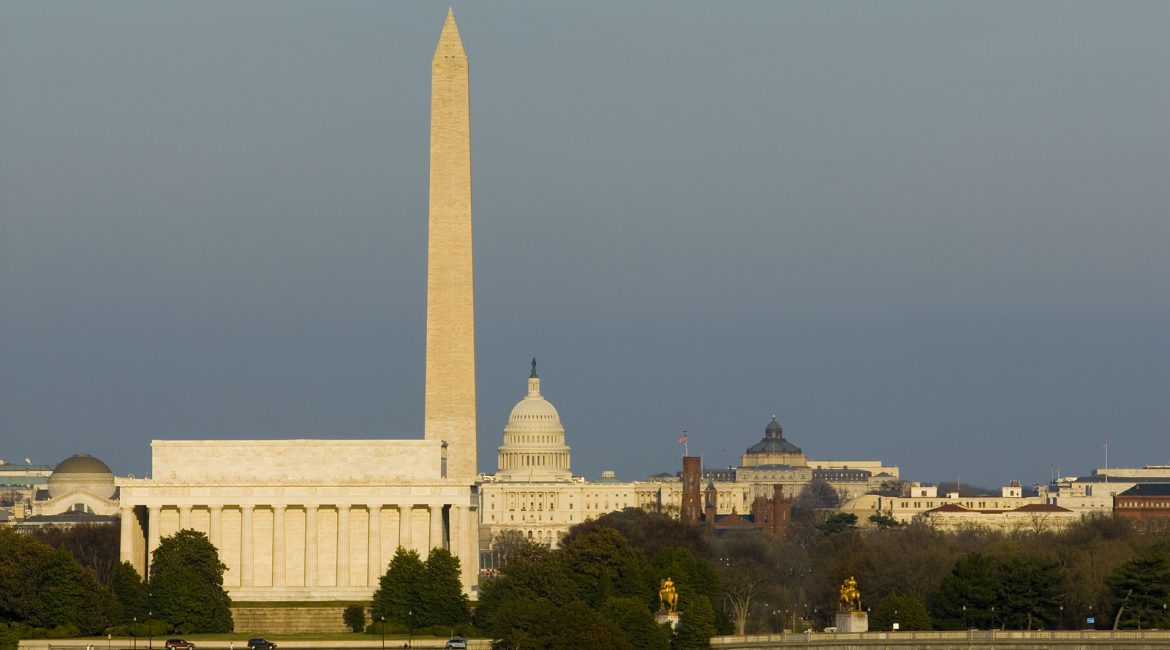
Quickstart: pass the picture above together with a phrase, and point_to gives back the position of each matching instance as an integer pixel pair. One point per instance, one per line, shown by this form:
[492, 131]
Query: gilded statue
[668, 596]
[850, 596]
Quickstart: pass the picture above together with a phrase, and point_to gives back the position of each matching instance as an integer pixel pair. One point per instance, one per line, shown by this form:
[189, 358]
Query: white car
[456, 642]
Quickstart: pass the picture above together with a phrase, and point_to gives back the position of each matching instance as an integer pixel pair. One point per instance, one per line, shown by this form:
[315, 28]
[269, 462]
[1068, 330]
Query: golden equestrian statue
[668, 596]
[850, 596]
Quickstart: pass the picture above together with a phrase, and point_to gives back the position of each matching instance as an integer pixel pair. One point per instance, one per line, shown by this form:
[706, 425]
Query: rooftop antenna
[1106, 461]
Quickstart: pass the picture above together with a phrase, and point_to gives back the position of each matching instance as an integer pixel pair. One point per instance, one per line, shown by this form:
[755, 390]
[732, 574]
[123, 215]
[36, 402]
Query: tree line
[67, 582]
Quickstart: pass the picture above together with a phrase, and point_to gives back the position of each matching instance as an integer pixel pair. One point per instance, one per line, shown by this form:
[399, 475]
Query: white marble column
[436, 540]
[278, 568]
[184, 517]
[405, 511]
[343, 546]
[153, 514]
[215, 527]
[375, 546]
[247, 557]
[310, 545]
[126, 539]
[468, 559]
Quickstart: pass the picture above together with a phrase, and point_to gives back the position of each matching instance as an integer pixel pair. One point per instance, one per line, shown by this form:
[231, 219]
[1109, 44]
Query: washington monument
[449, 413]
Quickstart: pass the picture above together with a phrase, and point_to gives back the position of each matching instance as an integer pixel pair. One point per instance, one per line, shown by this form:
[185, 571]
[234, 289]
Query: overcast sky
[931, 233]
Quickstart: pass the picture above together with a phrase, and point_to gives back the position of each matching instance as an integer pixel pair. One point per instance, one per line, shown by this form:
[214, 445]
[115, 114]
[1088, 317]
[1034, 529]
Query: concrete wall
[288, 620]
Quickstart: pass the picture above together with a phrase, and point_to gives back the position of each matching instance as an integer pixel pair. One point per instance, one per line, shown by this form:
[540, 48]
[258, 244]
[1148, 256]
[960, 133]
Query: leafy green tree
[186, 584]
[696, 626]
[131, 594]
[72, 594]
[884, 521]
[541, 624]
[395, 598]
[44, 587]
[838, 523]
[1029, 593]
[1140, 587]
[907, 611]
[637, 623]
[603, 564]
[440, 596]
[414, 593]
[8, 637]
[534, 573]
[354, 617]
[967, 595]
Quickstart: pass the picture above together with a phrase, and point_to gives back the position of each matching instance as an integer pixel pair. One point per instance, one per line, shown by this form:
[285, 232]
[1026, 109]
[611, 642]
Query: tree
[743, 581]
[839, 522]
[440, 596]
[967, 595]
[696, 626]
[186, 584]
[884, 521]
[8, 638]
[907, 611]
[421, 594]
[354, 617]
[541, 624]
[94, 546]
[1029, 593]
[1140, 587]
[398, 587]
[603, 564]
[817, 495]
[534, 573]
[637, 623]
[44, 587]
[130, 593]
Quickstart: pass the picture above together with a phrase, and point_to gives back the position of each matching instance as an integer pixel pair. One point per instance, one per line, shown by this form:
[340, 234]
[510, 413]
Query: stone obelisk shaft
[450, 364]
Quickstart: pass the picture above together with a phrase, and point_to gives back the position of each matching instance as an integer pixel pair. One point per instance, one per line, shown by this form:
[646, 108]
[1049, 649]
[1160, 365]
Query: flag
[682, 440]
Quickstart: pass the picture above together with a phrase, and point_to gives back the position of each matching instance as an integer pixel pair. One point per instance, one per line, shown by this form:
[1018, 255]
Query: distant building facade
[1146, 506]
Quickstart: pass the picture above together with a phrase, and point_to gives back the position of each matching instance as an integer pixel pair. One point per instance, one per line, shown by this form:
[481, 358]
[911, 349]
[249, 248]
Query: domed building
[534, 446]
[534, 493]
[773, 450]
[80, 490]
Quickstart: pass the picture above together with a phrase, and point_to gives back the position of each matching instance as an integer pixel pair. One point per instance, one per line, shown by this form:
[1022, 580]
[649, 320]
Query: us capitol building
[535, 493]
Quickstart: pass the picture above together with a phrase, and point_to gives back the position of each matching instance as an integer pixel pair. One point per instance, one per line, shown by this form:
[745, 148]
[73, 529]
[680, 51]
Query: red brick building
[1146, 506]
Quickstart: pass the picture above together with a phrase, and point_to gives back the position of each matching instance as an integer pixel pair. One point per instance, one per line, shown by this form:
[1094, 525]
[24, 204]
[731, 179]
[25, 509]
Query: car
[180, 644]
[260, 644]
[456, 642]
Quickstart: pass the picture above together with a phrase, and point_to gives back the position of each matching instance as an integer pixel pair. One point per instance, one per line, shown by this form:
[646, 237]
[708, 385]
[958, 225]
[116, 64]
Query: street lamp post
[383, 632]
[409, 627]
[1060, 623]
[149, 631]
[134, 634]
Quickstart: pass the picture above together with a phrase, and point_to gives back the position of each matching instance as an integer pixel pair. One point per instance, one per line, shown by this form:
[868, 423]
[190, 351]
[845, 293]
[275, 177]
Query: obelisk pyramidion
[449, 412]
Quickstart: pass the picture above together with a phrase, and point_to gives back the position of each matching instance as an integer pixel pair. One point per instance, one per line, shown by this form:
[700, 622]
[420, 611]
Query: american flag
[682, 440]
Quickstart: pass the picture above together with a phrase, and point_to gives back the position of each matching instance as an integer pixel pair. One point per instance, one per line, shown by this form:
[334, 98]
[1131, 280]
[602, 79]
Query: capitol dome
[84, 473]
[534, 446]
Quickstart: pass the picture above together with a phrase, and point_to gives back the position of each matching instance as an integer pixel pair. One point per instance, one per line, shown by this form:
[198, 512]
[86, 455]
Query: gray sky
[934, 233]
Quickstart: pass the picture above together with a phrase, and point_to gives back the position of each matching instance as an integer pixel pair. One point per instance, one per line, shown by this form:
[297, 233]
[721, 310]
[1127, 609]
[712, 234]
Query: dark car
[180, 644]
[260, 644]
[456, 642]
